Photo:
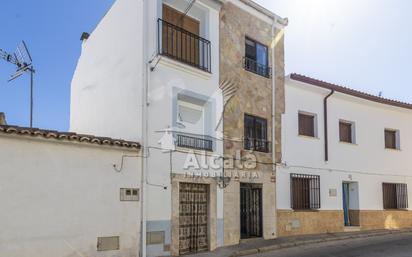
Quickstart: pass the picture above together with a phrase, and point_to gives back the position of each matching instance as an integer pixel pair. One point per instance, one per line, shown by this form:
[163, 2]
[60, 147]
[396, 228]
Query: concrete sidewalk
[254, 246]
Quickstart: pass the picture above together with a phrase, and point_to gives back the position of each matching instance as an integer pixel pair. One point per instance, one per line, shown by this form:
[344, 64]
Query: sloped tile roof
[349, 91]
[67, 136]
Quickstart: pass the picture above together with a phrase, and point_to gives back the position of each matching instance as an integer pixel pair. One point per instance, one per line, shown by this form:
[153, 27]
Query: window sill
[348, 143]
[305, 210]
[180, 66]
[192, 150]
[308, 137]
[393, 149]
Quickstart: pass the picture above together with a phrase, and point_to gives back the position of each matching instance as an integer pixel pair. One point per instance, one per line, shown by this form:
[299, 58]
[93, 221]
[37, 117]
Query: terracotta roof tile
[68, 136]
[349, 91]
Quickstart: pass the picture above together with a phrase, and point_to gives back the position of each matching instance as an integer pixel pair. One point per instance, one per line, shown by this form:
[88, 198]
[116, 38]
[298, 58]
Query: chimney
[2, 119]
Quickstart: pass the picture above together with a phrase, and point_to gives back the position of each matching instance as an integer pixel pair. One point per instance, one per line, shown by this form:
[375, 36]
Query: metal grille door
[193, 218]
[250, 210]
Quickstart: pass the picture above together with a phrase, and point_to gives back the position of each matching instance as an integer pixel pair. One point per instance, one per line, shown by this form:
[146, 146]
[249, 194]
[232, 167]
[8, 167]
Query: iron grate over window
[395, 196]
[305, 191]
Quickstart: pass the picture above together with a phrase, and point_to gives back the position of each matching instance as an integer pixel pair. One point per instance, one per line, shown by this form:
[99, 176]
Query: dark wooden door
[181, 38]
[193, 219]
[250, 210]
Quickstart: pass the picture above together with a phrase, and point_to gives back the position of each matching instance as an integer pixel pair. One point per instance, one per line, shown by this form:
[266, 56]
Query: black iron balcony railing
[192, 142]
[260, 69]
[258, 145]
[184, 46]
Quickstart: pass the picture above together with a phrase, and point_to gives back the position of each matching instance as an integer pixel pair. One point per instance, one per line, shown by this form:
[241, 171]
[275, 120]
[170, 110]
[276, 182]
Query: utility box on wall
[129, 194]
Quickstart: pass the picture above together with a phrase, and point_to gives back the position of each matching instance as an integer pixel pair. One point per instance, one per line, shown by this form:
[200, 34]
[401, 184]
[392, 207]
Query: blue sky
[52, 30]
[364, 44]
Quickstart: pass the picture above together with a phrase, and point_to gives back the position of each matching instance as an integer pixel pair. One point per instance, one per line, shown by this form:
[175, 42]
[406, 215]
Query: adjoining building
[345, 160]
[67, 194]
[252, 73]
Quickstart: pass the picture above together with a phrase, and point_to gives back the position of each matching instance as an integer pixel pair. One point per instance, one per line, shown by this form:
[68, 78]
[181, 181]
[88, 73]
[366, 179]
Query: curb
[316, 241]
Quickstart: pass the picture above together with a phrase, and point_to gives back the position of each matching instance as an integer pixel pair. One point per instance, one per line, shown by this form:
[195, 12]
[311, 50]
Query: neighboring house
[252, 61]
[61, 195]
[149, 71]
[344, 164]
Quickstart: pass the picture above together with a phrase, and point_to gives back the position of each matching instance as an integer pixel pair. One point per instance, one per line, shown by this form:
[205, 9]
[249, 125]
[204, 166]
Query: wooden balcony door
[177, 43]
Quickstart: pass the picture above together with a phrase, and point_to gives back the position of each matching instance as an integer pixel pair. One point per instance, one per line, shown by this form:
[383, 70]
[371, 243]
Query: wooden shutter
[177, 43]
[390, 139]
[345, 132]
[306, 125]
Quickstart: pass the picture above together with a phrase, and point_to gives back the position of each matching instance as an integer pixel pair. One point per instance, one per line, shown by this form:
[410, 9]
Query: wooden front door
[180, 36]
[193, 218]
[250, 210]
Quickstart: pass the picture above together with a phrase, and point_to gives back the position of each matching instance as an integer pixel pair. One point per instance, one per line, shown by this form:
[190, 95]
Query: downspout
[273, 95]
[144, 124]
[325, 123]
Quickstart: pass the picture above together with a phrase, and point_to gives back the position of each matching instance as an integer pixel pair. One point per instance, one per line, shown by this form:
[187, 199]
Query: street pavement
[394, 245]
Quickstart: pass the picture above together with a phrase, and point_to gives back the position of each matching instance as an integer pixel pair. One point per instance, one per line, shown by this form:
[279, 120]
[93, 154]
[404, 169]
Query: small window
[307, 125]
[391, 139]
[305, 191]
[256, 58]
[346, 132]
[255, 134]
[395, 196]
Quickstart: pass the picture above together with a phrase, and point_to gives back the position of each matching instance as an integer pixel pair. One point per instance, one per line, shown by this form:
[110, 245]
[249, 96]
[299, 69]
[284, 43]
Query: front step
[351, 228]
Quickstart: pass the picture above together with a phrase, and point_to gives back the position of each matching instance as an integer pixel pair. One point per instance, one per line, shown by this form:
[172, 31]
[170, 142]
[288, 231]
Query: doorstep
[255, 246]
[351, 229]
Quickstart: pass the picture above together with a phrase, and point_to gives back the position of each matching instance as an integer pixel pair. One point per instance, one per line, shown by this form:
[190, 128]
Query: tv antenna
[21, 58]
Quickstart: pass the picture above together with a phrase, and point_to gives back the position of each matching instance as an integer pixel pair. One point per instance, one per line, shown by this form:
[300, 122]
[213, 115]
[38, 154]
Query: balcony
[257, 68]
[181, 45]
[194, 142]
[258, 145]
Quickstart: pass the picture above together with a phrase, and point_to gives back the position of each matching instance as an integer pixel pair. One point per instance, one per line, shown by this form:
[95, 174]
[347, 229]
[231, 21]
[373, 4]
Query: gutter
[325, 123]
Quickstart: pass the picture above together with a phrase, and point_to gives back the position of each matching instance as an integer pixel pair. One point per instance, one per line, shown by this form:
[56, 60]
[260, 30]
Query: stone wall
[291, 223]
[253, 96]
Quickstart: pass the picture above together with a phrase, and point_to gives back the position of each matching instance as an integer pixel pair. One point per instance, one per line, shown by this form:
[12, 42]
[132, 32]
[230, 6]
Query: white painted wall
[366, 162]
[58, 197]
[105, 91]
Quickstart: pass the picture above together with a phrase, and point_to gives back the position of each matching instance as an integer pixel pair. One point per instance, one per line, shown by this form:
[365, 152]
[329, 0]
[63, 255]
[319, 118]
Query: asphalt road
[382, 246]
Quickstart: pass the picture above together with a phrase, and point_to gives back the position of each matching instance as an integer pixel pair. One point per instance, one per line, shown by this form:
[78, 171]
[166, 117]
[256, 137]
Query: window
[395, 196]
[256, 58]
[191, 119]
[307, 125]
[391, 139]
[190, 116]
[305, 191]
[255, 134]
[346, 132]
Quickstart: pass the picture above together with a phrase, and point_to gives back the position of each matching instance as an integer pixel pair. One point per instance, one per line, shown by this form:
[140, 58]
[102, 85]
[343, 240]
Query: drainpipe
[277, 22]
[144, 124]
[325, 123]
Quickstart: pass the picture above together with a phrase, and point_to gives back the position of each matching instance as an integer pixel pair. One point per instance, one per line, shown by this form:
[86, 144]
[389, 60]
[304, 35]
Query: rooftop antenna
[21, 58]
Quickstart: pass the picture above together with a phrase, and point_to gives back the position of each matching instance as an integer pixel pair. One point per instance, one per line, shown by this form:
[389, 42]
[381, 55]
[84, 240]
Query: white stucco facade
[365, 162]
[118, 61]
[58, 197]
